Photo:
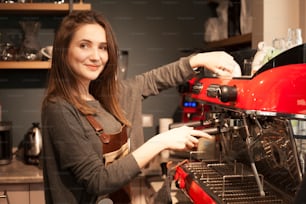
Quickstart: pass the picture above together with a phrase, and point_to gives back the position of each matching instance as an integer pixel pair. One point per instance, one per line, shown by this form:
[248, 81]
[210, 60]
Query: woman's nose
[95, 54]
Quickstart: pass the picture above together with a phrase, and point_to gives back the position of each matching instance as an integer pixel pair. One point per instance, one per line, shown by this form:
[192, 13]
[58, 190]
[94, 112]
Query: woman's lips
[93, 67]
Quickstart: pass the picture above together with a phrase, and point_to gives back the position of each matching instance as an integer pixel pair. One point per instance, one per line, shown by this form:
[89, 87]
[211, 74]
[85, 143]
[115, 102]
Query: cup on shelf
[47, 51]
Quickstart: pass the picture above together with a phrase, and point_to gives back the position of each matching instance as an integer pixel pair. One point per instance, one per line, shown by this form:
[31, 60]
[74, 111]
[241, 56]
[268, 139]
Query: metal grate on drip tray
[231, 183]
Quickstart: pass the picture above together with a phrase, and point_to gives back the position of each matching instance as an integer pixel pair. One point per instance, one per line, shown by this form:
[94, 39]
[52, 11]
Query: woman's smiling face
[87, 53]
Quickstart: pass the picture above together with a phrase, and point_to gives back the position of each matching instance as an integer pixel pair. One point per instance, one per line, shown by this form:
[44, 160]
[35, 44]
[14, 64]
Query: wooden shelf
[36, 8]
[232, 41]
[25, 64]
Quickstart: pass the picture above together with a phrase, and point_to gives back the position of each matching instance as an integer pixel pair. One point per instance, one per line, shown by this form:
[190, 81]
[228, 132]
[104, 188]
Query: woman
[81, 112]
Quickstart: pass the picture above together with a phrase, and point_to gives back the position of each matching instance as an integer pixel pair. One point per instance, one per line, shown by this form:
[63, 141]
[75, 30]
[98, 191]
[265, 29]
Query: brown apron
[114, 147]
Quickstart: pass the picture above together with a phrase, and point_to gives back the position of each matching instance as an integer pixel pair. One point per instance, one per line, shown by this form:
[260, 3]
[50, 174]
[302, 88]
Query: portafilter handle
[210, 131]
[190, 124]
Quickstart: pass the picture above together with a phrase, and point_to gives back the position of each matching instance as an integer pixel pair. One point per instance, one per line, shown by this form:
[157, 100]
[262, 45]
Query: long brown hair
[63, 82]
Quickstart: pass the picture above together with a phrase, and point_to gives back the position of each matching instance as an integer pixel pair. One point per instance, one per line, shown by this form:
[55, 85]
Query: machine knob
[228, 93]
[197, 88]
[223, 92]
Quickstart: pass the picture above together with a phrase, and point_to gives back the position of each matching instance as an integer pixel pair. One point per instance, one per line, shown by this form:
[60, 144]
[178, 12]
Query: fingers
[227, 66]
[192, 141]
[211, 60]
[190, 145]
[185, 138]
[221, 71]
[202, 134]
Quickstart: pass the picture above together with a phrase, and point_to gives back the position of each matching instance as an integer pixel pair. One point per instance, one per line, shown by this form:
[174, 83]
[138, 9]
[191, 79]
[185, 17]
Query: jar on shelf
[30, 47]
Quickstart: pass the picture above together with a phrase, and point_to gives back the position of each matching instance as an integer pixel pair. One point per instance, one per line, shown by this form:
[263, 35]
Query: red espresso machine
[259, 151]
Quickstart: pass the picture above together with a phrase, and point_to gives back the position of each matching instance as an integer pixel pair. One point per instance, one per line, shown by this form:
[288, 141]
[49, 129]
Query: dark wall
[155, 32]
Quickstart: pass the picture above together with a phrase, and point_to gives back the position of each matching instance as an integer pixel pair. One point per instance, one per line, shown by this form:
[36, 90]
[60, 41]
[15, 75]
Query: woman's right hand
[182, 138]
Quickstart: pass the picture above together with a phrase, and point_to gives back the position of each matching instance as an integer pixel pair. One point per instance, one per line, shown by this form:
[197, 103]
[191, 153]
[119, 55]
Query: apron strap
[110, 142]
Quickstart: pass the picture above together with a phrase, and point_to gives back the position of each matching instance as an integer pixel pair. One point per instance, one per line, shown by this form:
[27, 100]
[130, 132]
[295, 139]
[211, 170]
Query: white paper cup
[163, 127]
[164, 124]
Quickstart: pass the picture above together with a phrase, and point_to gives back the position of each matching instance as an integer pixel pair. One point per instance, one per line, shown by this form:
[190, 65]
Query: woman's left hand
[218, 62]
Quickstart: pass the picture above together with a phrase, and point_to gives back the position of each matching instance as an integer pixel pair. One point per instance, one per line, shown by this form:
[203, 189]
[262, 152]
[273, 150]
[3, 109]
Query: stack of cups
[163, 127]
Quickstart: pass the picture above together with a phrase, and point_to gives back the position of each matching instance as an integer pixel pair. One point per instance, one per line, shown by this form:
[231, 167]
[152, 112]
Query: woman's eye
[103, 47]
[84, 45]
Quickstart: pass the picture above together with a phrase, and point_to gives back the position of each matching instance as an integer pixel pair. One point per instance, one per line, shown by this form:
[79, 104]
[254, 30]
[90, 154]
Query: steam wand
[253, 166]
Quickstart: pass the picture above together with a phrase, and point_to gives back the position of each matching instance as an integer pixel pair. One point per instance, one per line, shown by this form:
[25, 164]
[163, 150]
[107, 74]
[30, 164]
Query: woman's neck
[87, 97]
[84, 93]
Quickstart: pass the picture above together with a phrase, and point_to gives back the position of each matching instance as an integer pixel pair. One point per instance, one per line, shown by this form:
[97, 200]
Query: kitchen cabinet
[22, 193]
[33, 9]
[22, 183]
[36, 193]
[15, 193]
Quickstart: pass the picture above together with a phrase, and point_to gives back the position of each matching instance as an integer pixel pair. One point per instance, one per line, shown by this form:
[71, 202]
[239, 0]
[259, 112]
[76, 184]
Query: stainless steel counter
[18, 172]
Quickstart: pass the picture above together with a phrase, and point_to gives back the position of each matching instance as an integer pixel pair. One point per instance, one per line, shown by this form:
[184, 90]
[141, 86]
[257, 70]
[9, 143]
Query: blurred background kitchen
[150, 33]
[153, 32]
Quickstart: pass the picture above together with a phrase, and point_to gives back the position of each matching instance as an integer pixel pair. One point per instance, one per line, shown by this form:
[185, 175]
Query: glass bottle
[30, 46]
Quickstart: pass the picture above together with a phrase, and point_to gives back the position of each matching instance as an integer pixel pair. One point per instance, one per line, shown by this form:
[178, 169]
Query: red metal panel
[280, 89]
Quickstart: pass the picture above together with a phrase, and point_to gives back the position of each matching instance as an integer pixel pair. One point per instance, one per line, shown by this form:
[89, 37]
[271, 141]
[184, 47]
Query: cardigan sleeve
[134, 90]
[162, 78]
